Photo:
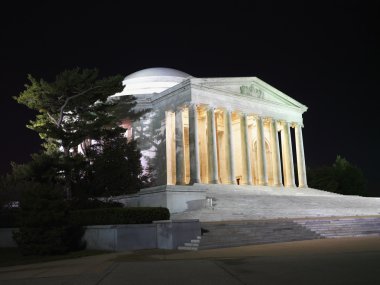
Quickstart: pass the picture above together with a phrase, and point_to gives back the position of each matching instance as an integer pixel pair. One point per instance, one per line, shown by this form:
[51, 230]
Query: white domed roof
[152, 80]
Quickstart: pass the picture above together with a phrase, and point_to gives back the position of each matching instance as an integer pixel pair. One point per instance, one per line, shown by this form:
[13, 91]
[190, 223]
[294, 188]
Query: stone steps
[193, 245]
[229, 234]
[344, 227]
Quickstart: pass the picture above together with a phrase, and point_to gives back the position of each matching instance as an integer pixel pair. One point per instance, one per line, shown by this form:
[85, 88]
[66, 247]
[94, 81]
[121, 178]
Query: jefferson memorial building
[202, 131]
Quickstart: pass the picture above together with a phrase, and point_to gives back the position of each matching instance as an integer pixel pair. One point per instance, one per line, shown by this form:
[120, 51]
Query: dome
[152, 80]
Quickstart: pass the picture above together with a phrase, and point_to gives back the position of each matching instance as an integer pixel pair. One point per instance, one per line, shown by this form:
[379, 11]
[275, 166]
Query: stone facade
[235, 130]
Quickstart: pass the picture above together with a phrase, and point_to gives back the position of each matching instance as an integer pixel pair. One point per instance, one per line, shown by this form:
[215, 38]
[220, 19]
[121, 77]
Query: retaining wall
[161, 234]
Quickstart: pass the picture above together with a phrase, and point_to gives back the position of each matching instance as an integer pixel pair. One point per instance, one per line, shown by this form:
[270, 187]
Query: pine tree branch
[52, 118]
[59, 122]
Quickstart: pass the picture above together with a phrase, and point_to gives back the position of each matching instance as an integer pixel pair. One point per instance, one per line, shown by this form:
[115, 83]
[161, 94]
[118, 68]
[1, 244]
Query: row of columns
[287, 154]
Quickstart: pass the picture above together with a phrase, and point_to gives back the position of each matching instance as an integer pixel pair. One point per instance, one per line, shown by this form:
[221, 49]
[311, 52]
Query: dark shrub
[9, 217]
[45, 226]
[84, 204]
[113, 216]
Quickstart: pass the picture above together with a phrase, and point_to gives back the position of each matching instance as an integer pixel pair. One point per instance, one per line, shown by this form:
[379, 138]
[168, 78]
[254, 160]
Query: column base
[303, 186]
[263, 184]
[194, 181]
[291, 185]
[278, 185]
[213, 182]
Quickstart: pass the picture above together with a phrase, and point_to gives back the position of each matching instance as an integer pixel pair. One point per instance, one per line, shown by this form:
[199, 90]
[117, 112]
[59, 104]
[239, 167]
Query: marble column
[301, 166]
[229, 147]
[133, 130]
[212, 147]
[179, 148]
[170, 147]
[261, 157]
[245, 153]
[276, 160]
[195, 176]
[287, 155]
[202, 132]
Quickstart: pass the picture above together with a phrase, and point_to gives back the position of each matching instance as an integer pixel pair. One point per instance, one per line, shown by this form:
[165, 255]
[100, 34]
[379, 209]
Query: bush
[85, 204]
[9, 218]
[113, 216]
[45, 226]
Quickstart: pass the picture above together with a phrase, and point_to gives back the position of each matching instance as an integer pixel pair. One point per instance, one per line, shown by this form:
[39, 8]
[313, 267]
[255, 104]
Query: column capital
[267, 120]
[242, 113]
[272, 120]
[284, 122]
[228, 109]
[260, 118]
[277, 123]
[192, 105]
[211, 107]
[171, 108]
[180, 108]
[296, 124]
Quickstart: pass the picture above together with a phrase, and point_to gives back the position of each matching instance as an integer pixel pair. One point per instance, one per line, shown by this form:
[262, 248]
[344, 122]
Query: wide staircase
[228, 234]
[240, 233]
[343, 227]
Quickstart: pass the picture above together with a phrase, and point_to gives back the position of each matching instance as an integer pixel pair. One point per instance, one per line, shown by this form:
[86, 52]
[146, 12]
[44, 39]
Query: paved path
[328, 261]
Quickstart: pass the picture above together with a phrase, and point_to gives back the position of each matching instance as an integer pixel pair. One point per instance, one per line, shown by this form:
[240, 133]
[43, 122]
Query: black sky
[326, 57]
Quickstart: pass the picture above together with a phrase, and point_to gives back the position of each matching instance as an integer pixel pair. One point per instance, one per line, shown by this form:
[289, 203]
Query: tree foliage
[43, 168]
[342, 177]
[116, 170]
[72, 108]
[84, 145]
[85, 154]
[45, 226]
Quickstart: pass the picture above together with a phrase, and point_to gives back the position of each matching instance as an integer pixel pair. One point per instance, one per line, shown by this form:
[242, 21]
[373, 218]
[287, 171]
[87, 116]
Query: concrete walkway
[327, 261]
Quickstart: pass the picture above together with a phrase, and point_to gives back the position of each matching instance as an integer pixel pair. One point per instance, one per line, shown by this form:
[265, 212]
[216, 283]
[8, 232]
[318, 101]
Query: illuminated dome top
[152, 80]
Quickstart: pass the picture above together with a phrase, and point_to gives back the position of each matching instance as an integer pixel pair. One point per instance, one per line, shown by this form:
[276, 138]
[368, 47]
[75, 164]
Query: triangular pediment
[250, 88]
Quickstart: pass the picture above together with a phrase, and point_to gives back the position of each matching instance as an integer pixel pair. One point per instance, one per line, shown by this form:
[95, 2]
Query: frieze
[251, 90]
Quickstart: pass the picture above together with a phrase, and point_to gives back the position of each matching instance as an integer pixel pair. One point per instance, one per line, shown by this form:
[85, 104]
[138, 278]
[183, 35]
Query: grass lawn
[11, 256]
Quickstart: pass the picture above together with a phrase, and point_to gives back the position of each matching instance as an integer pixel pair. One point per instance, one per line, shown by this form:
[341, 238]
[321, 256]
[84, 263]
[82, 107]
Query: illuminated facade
[201, 131]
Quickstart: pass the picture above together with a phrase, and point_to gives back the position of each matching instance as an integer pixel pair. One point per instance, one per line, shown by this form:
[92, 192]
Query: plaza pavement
[326, 261]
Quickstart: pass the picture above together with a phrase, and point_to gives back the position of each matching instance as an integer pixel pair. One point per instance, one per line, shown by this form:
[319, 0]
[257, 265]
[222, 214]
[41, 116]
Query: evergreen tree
[45, 226]
[342, 177]
[115, 166]
[75, 110]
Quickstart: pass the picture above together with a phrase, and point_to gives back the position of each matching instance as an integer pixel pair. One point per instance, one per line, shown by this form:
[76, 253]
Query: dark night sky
[326, 57]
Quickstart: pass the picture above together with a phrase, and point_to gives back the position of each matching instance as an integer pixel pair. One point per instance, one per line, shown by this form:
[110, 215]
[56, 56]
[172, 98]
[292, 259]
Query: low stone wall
[121, 237]
[177, 198]
[161, 234]
[174, 233]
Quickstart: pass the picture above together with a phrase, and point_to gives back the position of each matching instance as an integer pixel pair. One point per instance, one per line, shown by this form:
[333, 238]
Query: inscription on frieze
[251, 90]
